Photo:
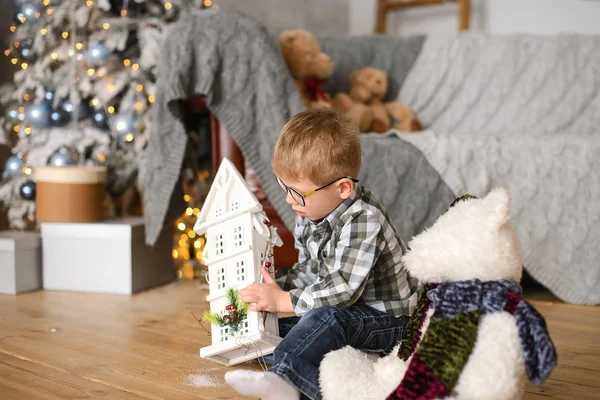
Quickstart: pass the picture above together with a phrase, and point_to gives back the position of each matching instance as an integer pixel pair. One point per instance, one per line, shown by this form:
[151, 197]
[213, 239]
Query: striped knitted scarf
[436, 366]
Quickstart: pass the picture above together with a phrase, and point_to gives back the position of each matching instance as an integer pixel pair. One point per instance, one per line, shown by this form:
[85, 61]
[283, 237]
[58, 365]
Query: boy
[349, 286]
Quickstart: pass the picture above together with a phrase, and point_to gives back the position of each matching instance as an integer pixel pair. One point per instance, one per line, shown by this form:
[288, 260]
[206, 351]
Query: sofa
[517, 111]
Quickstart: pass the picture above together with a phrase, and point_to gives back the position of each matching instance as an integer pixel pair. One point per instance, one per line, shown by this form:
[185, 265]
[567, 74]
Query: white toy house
[239, 240]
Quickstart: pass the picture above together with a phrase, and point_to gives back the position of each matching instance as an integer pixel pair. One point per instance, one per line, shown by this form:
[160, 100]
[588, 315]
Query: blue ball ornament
[61, 158]
[83, 110]
[98, 53]
[123, 124]
[100, 119]
[28, 12]
[26, 52]
[14, 166]
[27, 190]
[38, 115]
[59, 118]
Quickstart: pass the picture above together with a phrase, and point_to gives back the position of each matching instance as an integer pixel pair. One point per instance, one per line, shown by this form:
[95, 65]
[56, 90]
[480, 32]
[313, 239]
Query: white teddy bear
[472, 336]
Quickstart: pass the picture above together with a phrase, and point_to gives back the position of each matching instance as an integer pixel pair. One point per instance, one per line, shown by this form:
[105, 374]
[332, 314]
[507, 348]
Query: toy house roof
[227, 180]
[258, 219]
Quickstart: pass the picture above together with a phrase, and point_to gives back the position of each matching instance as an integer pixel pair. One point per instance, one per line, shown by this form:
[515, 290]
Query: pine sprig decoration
[213, 318]
[236, 312]
[233, 298]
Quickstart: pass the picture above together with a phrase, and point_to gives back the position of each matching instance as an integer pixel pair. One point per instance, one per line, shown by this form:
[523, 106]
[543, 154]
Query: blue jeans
[307, 339]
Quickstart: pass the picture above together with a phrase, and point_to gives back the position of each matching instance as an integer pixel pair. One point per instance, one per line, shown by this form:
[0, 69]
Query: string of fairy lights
[188, 247]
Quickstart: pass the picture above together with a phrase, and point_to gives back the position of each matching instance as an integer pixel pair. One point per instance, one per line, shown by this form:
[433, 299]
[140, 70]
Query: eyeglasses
[299, 197]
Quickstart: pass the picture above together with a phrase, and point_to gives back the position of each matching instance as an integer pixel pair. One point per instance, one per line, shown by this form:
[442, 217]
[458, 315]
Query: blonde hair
[320, 145]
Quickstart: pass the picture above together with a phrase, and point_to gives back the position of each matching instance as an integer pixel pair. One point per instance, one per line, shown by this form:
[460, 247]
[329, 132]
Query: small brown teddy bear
[369, 86]
[309, 66]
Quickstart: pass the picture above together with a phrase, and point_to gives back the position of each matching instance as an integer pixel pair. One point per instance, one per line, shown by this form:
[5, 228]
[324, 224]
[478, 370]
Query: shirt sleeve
[343, 273]
[292, 278]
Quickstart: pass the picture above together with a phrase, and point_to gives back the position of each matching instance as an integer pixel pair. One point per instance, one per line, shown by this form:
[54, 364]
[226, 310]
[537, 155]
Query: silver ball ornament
[61, 159]
[28, 12]
[38, 115]
[14, 166]
[123, 124]
[98, 53]
[26, 52]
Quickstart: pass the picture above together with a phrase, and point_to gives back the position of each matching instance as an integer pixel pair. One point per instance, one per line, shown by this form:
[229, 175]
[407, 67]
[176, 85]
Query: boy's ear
[345, 188]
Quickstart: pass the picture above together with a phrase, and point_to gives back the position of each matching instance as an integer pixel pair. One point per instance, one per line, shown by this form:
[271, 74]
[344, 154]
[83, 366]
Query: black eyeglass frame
[300, 197]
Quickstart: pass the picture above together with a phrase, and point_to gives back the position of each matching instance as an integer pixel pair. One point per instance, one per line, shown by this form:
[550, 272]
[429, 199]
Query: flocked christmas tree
[83, 92]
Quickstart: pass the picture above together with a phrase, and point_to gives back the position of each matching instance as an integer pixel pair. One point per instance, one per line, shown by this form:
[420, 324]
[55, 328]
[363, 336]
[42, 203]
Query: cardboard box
[20, 262]
[72, 193]
[105, 257]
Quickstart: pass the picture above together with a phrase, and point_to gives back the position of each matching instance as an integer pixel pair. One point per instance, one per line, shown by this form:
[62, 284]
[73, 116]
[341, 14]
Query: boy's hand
[266, 296]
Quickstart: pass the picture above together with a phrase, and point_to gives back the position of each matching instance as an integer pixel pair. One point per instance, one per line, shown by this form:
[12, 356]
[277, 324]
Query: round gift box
[70, 193]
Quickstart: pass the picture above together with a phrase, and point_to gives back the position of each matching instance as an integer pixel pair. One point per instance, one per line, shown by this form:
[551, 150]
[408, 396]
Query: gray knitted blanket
[232, 59]
[521, 112]
[526, 118]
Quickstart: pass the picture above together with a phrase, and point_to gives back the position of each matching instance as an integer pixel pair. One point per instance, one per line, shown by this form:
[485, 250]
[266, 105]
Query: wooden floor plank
[561, 390]
[146, 347]
[27, 379]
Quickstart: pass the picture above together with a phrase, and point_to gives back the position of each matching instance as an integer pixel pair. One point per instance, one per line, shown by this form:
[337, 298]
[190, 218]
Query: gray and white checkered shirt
[352, 255]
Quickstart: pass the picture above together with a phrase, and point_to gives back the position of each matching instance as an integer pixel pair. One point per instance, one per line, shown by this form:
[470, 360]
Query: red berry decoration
[267, 222]
[276, 271]
[230, 307]
[268, 264]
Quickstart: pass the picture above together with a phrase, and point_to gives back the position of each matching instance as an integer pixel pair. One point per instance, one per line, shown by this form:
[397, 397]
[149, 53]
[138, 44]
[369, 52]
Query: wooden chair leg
[464, 11]
[380, 26]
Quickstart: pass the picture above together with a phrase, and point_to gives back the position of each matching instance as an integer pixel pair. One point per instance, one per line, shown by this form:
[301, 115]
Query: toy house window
[221, 278]
[238, 238]
[245, 327]
[219, 245]
[224, 334]
[218, 210]
[234, 203]
[240, 270]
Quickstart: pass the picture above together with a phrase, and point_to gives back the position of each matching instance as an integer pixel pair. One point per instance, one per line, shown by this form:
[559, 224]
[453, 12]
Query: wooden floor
[56, 345]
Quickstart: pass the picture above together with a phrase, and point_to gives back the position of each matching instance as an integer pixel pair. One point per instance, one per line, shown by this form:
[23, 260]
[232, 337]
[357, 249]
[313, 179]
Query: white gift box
[20, 262]
[105, 257]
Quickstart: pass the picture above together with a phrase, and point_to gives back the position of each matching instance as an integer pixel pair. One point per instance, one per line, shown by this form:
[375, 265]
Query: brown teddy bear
[364, 105]
[309, 66]
[360, 113]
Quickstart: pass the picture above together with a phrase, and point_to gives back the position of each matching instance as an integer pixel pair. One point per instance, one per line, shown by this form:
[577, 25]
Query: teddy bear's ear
[497, 203]
[288, 36]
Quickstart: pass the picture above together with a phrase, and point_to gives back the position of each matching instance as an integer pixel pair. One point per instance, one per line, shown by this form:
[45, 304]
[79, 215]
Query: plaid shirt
[352, 255]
